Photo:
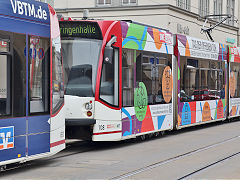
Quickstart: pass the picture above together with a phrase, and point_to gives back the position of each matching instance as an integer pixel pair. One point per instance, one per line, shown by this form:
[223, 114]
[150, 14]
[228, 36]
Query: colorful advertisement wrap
[157, 117]
[234, 54]
[234, 99]
[146, 38]
[144, 117]
[194, 108]
[203, 49]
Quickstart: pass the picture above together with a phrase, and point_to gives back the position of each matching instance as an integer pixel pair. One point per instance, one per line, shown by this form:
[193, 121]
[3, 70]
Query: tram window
[109, 80]
[39, 65]
[80, 73]
[19, 75]
[202, 79]
[148, 69]
[128, 76]
[12, 74]
[234, 84]
[153, 66]
[57, 76]
[163, 62]
[138, 67]
[4, 86]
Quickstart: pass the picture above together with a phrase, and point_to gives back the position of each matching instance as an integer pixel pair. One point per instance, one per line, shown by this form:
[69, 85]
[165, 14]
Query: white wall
[61, 4]
[156, 2]
[51, 2]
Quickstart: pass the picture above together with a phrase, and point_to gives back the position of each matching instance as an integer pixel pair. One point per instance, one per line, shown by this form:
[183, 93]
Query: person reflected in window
[222, 92]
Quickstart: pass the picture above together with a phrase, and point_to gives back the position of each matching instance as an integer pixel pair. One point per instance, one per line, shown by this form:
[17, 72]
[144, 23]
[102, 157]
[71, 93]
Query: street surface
[210, 151]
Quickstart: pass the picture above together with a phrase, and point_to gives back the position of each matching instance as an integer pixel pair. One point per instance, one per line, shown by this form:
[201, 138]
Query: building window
[203, 8]
[218, 8]
[129, 2]
[230, 10]
[184, 4]
[104, 2]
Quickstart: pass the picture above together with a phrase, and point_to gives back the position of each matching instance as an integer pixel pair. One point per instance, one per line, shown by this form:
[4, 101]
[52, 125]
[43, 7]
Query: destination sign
[81, 29]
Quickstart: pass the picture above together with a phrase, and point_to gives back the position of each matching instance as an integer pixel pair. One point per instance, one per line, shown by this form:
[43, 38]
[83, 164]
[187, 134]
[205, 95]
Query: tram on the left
[32, 122]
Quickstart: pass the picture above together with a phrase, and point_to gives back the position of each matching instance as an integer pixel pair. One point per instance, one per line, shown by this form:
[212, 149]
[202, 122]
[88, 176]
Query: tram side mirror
[108, 52]
[108, 55]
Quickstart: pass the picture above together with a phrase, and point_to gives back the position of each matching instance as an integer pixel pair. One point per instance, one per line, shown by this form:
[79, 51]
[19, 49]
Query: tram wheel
[143, 137]
[3, 168]
[156, 134]
[162, 133]
[150, 135]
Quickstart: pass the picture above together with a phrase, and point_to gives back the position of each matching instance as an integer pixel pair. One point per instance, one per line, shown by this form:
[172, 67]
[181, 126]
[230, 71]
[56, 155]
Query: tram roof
[142, 24]
[25, 16]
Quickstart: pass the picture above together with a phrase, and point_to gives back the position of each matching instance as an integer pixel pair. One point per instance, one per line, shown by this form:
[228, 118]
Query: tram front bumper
[80, 122]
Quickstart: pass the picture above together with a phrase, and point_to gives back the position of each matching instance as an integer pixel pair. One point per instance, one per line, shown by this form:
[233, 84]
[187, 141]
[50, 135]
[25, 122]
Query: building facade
[178, 16]
[51, 2]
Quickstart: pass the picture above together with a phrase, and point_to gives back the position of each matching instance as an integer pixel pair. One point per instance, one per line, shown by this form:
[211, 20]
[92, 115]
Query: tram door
[38, 95]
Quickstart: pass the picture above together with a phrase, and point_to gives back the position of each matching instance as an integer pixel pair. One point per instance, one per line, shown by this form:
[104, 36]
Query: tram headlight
[88, 106]
[89, 113]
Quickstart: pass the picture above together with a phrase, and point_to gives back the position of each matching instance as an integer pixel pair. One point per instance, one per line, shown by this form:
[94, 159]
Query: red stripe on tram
[57, 143]
[111, 132]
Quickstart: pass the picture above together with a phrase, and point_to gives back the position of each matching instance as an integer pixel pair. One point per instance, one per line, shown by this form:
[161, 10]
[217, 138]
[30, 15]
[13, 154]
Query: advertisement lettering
[6, 138]
[29, 10]
[204, 46]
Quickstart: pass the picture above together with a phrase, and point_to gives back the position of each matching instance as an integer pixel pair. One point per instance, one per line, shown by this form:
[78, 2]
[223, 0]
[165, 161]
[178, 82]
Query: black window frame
[198, 91]
[45, 81]
[127, 66]
[60, 103]
[99, 92]
[9, 55]
[16, 79]
[154, 80]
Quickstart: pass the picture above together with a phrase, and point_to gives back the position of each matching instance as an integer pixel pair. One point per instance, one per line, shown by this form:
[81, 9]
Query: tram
[234, 82]
[32, 122]
[124, 79]
[202, 83]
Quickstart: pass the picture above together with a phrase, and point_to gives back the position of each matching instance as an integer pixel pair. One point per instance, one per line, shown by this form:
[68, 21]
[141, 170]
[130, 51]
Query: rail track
[164, 162]
[78, 147]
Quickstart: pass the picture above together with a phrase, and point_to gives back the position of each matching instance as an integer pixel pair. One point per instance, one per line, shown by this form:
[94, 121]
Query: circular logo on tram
[220, 110]
[140, 101]
[232, 84]
[206, 113]
[167, 84]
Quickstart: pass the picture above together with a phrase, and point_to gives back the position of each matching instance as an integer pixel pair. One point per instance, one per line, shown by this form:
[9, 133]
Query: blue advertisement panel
[12, 138]
[25, 16]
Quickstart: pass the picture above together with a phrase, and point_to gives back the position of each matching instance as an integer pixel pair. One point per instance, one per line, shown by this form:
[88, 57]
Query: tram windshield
[80, 65]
